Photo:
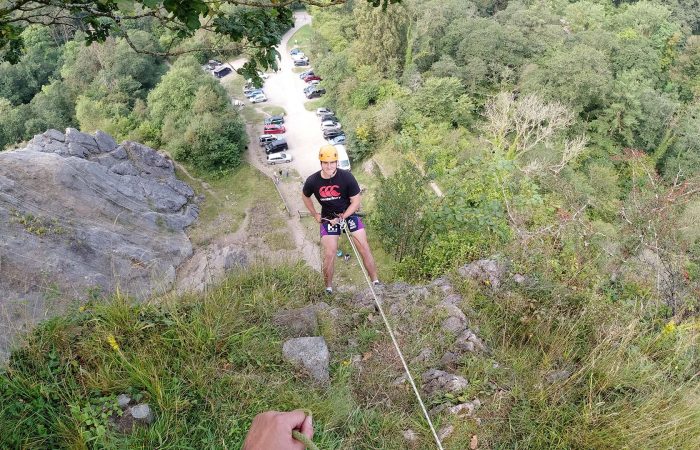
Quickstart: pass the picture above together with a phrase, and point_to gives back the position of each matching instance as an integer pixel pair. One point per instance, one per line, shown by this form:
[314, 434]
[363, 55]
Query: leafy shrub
[212, 142]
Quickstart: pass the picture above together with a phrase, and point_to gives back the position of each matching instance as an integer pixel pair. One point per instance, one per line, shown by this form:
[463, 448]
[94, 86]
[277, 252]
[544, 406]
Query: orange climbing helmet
[328, 153]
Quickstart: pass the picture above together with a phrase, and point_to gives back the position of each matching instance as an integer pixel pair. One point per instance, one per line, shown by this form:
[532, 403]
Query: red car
[312, 78]
[274, 129]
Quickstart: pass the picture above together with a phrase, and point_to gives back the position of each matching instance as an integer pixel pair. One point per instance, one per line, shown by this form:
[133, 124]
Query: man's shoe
[329, 291]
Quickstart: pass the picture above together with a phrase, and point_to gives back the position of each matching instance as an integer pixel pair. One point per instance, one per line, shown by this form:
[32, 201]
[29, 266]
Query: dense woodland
[565, 136]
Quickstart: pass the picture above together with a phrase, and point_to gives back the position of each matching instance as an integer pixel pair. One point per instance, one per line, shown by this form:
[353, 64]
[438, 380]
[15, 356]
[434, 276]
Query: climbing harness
[344, 226]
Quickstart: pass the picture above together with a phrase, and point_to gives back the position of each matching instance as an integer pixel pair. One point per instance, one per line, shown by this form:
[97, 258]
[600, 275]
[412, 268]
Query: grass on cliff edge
[206, 364]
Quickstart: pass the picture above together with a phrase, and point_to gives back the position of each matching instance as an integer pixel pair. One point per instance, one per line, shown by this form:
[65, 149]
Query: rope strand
[344, 227]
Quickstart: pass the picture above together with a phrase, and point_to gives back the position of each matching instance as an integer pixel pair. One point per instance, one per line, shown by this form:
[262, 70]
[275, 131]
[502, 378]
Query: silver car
[330, 125]
[279, 158]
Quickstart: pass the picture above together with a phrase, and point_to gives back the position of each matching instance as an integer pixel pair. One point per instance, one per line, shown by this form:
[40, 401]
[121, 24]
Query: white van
[343, 159]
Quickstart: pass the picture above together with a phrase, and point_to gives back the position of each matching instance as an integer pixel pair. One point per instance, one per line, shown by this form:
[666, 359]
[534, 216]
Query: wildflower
[669, 328]
[113, 343]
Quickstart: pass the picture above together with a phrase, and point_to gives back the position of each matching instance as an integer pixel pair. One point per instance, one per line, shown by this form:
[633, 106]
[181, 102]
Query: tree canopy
[259, 23]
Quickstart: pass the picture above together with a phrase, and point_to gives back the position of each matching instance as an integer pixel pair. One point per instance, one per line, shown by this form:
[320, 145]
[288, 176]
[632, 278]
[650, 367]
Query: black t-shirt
[333, 194]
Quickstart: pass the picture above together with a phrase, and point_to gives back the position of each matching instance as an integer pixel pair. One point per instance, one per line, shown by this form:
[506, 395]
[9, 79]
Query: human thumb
[307, 427]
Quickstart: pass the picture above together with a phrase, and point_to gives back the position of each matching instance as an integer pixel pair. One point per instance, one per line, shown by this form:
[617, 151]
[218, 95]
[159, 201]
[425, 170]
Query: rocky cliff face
[81, 215]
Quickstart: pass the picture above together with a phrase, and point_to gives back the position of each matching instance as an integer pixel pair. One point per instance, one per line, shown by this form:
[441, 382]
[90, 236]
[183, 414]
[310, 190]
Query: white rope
[344, 226]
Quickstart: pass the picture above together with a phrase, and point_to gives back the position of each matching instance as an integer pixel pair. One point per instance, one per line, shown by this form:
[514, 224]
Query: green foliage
[53, 107]
[260, 26]
[581, 78]
[93, 418]
[39, 226]
[397, 218]
[188, 99]
[683, 160]
[437, 98]
[206, 366]
[381, 37]
[174, 96]
[212, 142]
[12, 126]
[39, 64]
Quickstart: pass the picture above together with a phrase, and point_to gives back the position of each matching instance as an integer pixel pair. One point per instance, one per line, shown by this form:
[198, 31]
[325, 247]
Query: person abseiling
[338, 194]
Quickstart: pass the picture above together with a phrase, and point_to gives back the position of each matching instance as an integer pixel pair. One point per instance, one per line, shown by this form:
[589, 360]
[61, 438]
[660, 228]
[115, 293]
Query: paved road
[286, 89]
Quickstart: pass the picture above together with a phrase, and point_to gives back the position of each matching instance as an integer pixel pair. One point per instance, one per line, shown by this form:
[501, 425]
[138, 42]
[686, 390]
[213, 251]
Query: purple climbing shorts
[354, 224]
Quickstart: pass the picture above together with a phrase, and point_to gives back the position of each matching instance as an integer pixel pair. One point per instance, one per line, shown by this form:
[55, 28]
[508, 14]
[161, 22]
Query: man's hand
[273, 430]
[317, 216]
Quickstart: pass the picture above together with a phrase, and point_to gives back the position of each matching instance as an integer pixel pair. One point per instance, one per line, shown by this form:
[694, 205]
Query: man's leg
[360, 238]
[329, 243]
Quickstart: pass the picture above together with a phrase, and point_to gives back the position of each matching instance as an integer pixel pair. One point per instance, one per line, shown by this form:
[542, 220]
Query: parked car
[343, 159]
[325, 117]
[278, 158]
[309, 88]
[258, 98]
[276, 146]
[306, 73]
[222, 71]
[266, 139]
[311, 78]
[274, 129]
[295, 51]
[330, 125]
[338, 140]
[278, 120]
[301, 62]
[322, 111]
[330, 134]
[254, 92]
[313, 83]
[212, 64]
[298, 55]
[318, 92]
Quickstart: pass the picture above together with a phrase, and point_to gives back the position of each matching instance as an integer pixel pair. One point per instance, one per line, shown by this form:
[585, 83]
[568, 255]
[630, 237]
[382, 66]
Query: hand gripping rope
[344, 226]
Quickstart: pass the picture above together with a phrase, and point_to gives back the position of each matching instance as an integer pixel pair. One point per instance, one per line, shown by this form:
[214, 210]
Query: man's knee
[330, 246]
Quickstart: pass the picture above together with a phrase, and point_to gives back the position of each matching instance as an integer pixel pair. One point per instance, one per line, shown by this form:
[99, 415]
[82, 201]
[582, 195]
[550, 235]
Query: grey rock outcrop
[123, 400]
[311, 354]
[557, 376]
[79, 215]
[211, 264]
[299, 322]
[465, 409]
[132, 416]
[487, 271]
[440, 382]
[142, 414]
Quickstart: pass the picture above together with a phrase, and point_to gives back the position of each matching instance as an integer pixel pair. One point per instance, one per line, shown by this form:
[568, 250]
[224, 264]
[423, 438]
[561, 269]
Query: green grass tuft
[301, 39]
[206, 364]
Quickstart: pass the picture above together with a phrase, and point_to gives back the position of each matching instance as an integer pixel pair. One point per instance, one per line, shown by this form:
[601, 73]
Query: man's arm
[310, 206]
[354, 206]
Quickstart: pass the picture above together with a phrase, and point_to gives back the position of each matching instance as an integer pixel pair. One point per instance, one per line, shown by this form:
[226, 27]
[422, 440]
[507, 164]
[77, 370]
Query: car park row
[273, 139]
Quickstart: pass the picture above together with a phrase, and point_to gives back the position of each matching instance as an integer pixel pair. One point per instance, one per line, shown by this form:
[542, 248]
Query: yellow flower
[113, 342]
[669, 328]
